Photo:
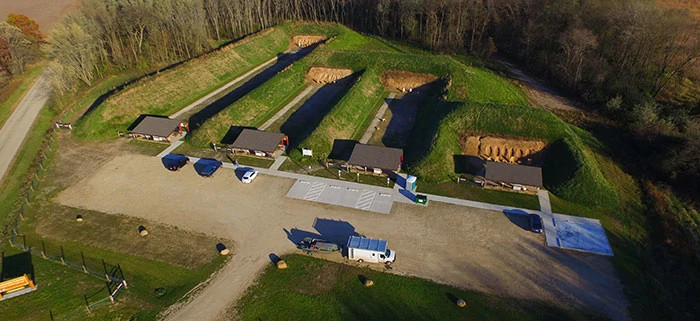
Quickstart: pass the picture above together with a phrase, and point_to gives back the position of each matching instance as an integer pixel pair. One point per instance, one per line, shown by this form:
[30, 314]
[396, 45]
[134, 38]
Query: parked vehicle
[249, 176]
[207, 166]
[311, 245]
[362, 249]
[173, 162]
[535, 223]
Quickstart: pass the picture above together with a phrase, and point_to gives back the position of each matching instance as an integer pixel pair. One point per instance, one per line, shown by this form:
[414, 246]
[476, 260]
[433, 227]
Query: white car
[249, 176]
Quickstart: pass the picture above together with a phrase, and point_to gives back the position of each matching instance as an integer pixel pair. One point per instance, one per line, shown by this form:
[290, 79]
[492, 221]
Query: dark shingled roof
[515, 174]
[376, 157]
[259, 140]
[156, 126]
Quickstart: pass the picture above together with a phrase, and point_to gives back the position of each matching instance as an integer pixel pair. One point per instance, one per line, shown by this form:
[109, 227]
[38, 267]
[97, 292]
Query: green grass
[313, 289]
[468, 190]
[138, 302]
[254, 161]
[301, 166]
[22, 166]
[570, 170]
[60, 290]
[19, 87]
[171, 90]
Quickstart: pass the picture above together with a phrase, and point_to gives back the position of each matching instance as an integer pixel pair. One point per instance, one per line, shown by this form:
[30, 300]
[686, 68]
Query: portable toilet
[411, 183]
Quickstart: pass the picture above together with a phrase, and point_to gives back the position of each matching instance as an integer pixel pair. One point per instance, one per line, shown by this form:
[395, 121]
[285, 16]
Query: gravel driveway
[461, 246]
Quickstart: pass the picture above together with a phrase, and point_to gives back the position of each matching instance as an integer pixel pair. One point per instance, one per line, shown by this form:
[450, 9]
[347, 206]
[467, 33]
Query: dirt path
[539, 94]
[18, 125]
[466, 247]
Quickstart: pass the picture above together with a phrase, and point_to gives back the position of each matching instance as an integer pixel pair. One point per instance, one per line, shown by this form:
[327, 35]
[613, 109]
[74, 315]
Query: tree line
[19, 44]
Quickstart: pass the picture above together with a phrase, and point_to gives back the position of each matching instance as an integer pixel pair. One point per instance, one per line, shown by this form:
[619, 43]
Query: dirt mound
[325, 75]
[403, 81]
[506, 150]
[302, 41]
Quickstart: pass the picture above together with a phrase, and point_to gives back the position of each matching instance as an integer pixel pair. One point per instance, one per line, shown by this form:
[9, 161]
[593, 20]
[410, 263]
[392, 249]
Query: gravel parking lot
[461, 246]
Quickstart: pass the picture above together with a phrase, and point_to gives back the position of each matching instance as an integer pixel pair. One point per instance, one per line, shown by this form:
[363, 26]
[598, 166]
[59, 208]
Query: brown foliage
[28, 26]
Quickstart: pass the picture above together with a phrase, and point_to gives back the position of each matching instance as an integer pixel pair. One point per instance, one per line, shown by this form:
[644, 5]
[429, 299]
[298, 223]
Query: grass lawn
[314, 289]
[146, 147]
[60, 290]
[175, 88]
[570, 169]
[317, 169]
[22, 166]
[469, 191]
[15, 90]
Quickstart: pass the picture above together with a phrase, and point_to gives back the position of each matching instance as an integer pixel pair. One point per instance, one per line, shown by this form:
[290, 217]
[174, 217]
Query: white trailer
[362, 249]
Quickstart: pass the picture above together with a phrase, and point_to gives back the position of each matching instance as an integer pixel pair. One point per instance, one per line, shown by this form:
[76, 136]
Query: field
[322, 290]
[569, 170]
[45, 12]
[170, 90]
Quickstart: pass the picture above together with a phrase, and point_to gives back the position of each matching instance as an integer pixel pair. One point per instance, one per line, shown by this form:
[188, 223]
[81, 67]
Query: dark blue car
[207, 166]
[173, 162]
[535, 223]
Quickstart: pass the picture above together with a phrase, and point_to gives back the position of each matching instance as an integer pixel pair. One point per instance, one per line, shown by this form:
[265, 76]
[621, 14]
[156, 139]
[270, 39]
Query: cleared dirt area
[404, 81]
[506, 150]
[465, 247]
[75, 161]
[302, 41]
[327, 75]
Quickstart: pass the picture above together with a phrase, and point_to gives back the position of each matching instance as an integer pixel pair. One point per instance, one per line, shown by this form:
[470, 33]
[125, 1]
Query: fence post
[24, 242]
[121, 275]
[109, 292]
[51, 314]
[105, 267]
[43, 249]
[63, 261]
[87, 305]
[83, 258]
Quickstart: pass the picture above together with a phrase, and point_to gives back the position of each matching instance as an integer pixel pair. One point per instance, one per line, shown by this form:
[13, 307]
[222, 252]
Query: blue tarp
[363, 243]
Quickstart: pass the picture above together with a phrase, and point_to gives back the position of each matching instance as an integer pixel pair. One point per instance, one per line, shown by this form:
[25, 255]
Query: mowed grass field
[170, 90]
[569, 171]
[314, 289]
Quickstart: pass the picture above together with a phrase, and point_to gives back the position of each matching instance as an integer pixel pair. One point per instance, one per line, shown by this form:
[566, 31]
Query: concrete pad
[346, 196]
[579, 234]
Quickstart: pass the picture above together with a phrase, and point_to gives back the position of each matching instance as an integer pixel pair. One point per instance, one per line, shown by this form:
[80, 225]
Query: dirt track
[469, 248]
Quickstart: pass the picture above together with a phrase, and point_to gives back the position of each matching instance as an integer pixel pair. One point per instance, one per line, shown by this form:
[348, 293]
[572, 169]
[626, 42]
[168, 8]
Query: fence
[111, 274]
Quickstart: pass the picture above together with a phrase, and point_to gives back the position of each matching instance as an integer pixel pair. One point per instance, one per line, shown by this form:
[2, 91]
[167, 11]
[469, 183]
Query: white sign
[306, 152]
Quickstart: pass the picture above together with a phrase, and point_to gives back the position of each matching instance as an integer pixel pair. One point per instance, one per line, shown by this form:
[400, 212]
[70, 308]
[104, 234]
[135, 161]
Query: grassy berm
[314, 289]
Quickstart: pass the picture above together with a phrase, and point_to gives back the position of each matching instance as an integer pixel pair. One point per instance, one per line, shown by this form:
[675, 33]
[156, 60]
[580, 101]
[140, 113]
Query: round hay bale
[281, 264]
[368, 283]
[461, 303]
[78, 218]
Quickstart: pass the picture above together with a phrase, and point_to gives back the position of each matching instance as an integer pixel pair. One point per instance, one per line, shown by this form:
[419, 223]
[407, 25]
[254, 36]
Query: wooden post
[24, 242]
[43, 249]
[82, 257]
[63, 261]
[87, 305]
[104, 265]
